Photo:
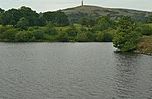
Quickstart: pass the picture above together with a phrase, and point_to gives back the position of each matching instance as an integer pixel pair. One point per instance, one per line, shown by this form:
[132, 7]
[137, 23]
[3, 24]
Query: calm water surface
[72, 71]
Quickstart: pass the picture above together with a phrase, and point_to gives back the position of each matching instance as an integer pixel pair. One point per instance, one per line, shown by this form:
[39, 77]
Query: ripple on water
[72, 71]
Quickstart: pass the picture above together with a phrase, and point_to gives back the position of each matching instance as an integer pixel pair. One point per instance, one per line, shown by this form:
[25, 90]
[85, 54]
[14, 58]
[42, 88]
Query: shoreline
[137, 51]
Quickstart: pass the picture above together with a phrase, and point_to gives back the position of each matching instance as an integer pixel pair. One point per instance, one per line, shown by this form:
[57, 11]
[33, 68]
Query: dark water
[72, 71]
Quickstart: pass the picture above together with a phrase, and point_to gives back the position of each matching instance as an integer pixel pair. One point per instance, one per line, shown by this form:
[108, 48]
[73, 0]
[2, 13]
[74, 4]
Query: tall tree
[10, 17]
[23, 23]
[1, 13]
[58, 18]
[30, 15]
[1, 10]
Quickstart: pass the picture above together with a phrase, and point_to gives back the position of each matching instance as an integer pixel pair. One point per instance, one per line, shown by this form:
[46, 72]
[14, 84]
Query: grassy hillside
[94, 12]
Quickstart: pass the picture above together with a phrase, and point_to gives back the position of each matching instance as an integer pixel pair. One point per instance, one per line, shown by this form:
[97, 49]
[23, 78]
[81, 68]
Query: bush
[85, 36]
[50, 30]
[24, 36]
[145, 30]
[103, 23]
[72, 31]
[104, 36]
[62, 37]
[9, 35]
[38, 34]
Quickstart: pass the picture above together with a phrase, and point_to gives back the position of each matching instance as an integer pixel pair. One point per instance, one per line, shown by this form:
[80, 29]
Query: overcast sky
[45, 5]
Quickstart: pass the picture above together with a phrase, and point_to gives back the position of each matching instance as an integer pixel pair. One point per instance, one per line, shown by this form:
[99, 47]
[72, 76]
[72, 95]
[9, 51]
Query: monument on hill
[82, 3]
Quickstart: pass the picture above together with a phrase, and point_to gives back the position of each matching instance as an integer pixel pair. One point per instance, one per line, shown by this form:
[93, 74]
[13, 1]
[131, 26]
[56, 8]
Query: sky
[52, 5]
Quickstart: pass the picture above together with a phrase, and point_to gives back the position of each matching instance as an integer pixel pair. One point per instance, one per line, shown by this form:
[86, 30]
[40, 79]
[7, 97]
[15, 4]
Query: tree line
[25, 17]
[26, 25]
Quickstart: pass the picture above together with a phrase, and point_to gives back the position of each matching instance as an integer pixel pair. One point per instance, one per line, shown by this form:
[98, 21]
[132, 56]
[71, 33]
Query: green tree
[58, 18]
[10, 17]
[149, 20]
[126, 37]
[23, 23]
[1, 10]
[103, 23]
[41, 20]
[30, 15]
[1, 13]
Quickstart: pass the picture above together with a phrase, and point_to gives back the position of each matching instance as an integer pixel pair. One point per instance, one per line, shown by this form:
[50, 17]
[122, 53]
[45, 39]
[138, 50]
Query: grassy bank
[145, 45]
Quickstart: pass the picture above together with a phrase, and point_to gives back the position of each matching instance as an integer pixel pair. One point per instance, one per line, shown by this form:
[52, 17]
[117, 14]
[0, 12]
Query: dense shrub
[9, 35]
[72, 31]
[145, 30]
[50, 30]
[24, 36]
[38, 34]
[104, 36]
[62, 37]
[85, 36]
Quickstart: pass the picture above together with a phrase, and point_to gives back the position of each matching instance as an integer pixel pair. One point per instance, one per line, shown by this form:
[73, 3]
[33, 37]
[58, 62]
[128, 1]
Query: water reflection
[126, 76]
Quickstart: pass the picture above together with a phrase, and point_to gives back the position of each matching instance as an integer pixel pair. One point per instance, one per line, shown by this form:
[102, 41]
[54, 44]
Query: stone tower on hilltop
[82, 3]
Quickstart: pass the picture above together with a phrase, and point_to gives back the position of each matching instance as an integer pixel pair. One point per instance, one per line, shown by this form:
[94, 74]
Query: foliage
[72, 31]
[149, 19]
[13, 16]
[24, 36]
[62, 37]
[126, 37]
[87, 22]
[103, 23]
[30, 15]
[85, 36]
[104, 36]
[1, 10]
[38, 34]
[58, 18]
[10, 17]
[9, 35]
[26, 25]
[50, 29]
[145, 30]
[23, 23]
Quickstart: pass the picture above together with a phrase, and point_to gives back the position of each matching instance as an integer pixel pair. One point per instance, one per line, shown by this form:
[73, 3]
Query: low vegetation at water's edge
[145, 45]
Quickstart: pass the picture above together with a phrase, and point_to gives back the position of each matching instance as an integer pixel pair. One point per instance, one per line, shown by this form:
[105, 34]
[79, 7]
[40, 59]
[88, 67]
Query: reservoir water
[72, 71]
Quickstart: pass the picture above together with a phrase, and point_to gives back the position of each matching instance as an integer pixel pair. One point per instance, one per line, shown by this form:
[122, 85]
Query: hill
[87, 11]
